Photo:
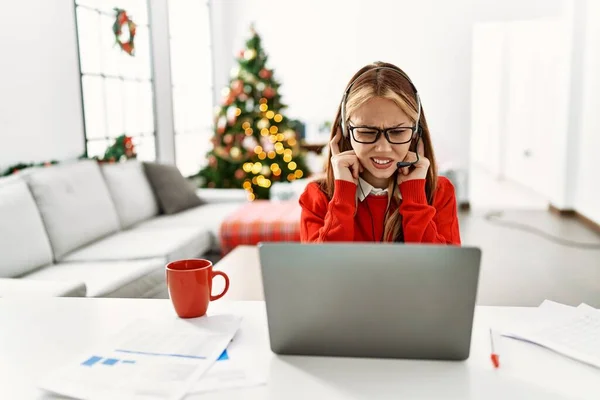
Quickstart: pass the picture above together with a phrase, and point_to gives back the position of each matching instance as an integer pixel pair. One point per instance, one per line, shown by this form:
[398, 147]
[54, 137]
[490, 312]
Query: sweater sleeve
[328, 221]
[423, 223]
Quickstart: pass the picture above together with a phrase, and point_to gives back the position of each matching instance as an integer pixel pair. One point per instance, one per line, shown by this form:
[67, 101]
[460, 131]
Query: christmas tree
[254, 144]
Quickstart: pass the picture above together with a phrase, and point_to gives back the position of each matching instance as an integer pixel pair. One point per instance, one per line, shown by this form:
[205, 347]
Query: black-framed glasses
[371, 134]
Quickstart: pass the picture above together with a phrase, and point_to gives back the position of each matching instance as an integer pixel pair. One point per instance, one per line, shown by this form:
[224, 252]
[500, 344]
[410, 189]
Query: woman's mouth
[382, 162]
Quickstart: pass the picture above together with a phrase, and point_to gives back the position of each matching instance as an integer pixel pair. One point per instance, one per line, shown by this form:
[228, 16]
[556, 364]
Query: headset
[343, 123]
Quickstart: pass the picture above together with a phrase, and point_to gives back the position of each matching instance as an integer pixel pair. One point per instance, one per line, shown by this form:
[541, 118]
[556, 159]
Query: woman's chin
[381, 174]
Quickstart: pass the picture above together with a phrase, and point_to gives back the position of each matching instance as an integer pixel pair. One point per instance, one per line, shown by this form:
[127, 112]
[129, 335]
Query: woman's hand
[345, 165]
[419, 169]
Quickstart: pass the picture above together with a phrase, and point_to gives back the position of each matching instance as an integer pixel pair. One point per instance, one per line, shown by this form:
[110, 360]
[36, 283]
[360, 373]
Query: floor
[520, 267]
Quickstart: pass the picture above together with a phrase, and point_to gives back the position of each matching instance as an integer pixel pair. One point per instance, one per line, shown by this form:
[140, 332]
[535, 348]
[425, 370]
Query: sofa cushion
[173, 191]
[34, 288]
[24, 245]
[217, 195]
[130, 191]
[140, 278]
[208, 216]
[135, 244]
[74, 203]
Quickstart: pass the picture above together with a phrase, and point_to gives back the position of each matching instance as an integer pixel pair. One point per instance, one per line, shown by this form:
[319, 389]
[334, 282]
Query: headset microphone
[403, 164]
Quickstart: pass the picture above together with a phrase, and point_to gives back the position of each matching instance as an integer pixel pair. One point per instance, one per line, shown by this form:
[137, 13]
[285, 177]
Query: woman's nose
[382, 144]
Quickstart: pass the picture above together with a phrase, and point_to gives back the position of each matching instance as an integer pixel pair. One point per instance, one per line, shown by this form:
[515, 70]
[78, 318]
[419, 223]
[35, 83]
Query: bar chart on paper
[97, 360]
[146, 359]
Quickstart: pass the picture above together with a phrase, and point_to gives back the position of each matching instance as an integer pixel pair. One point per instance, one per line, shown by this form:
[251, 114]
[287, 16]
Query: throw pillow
[173, 192]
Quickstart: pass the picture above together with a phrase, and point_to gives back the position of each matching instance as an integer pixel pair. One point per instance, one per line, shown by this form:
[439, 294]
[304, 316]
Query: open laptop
[380, 300]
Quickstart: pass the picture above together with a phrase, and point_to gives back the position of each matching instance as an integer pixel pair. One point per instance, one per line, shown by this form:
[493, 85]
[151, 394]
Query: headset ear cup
[347, 139]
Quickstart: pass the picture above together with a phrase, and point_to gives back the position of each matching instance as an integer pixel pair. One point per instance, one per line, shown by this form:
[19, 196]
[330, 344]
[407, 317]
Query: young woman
[382, 183]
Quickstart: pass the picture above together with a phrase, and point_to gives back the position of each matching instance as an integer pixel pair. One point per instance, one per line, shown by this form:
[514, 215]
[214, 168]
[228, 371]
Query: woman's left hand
[419, 170]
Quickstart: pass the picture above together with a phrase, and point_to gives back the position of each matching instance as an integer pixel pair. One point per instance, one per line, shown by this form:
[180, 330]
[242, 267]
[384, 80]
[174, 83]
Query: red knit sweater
[339, 219]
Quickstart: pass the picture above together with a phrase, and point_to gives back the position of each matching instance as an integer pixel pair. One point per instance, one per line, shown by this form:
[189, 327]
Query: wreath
[121, 20]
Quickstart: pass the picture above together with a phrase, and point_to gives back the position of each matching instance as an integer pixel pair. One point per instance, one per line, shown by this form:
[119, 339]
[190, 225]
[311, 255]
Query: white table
[242, 265]
[38, 334]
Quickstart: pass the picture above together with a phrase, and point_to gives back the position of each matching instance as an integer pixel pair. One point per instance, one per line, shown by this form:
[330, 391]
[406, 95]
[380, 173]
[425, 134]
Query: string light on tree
[263, 124]
[250, 54]
[235, 154]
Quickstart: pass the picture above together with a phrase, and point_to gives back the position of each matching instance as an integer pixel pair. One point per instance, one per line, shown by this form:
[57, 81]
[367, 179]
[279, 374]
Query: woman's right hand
[345, 165]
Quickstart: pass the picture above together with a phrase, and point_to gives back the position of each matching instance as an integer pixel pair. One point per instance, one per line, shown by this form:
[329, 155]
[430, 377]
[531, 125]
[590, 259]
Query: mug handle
[224, 275]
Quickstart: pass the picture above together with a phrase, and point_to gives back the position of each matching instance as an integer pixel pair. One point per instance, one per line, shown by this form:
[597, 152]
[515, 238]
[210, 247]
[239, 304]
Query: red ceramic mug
[190, 286]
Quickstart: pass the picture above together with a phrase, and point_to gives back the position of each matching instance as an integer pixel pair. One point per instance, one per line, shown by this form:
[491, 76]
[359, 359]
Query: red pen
[495, 358]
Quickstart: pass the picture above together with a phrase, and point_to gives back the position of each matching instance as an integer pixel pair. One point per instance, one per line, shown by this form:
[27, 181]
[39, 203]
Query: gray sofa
[84, 229]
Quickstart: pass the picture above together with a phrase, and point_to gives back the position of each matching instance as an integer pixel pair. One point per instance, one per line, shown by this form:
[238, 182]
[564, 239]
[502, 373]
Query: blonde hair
[393, 86]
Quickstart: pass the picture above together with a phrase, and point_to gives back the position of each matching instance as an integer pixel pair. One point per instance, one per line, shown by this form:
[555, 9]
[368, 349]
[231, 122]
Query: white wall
[537, 93]
[316, 46]
[488, 97]
[587, 187]
[536, 90]
[161, 66]
[521, 82]
[40, 100]
[521, 102]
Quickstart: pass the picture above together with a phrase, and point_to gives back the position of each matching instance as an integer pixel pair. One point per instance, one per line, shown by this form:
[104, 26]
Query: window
[117, 88]
[191, 75]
